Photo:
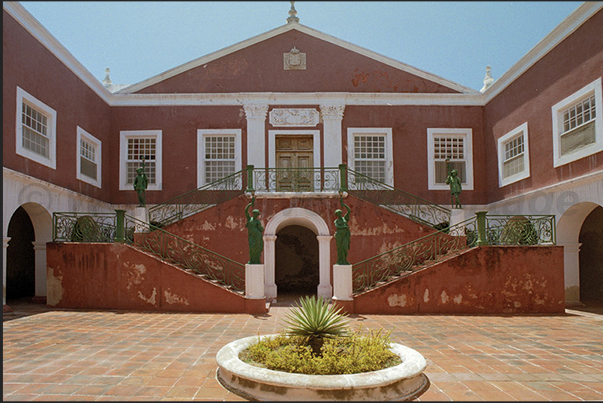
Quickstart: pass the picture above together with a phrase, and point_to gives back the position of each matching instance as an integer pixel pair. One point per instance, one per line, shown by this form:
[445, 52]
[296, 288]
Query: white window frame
[557, 115]
[96, 143]
[520, 131]
[467, 135]
[51, 115]
[389, 152]
[123, 154]
[201, 135]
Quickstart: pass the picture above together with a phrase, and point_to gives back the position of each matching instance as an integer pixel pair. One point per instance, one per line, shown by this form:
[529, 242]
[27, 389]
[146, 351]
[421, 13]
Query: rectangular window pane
[579, 114]
[219, 157]
[369, 156]
[138, 148]
[35, 131]
[578, 138]
[441, 172]
[88, 168]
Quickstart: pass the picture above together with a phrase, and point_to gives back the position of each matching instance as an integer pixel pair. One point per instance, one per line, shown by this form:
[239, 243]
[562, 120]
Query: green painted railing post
[343, 178]
[250, 179]
[481, 228]
[120, 226]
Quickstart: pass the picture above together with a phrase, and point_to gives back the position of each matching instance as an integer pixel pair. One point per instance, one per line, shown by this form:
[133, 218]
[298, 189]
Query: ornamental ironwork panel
[520, 230]
[83, 227]
[393, 264]
[296, 179]
[185, 254]
[396, 200]
[197, 200]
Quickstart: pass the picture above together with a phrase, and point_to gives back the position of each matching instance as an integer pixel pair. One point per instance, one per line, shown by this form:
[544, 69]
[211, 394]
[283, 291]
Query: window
[513, 157]
[134, 146]
[36, 130]
[578, 125]
[449, 149]
[370, 153]
[88, 164]
[219, 154]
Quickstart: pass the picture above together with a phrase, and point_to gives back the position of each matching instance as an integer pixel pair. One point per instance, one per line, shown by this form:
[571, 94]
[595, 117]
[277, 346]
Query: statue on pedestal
[254, 233]
[342, 234]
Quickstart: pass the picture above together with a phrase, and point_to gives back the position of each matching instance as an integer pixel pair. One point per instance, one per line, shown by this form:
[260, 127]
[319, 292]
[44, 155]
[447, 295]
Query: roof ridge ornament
[488, 80]
[292, 14]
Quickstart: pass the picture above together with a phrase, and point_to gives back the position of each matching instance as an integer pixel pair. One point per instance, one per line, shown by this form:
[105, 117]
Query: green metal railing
[120, 227]
[396, 200]
[83, 227]
[293, 179]
[196, 200]
[520, 230]
[480, 230]
[185, 254]
[388, 266]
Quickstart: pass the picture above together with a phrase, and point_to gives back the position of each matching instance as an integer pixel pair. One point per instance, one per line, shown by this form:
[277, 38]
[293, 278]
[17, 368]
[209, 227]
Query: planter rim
[413, 363]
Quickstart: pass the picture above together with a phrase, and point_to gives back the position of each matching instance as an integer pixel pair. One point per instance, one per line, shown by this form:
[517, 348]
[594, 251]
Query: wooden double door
[295, 163]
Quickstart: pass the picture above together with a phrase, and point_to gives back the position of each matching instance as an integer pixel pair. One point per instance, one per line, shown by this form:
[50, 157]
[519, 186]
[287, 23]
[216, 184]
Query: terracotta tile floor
[54, 354]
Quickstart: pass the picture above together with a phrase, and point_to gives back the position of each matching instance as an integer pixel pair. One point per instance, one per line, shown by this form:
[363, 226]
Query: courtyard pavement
[57, 354]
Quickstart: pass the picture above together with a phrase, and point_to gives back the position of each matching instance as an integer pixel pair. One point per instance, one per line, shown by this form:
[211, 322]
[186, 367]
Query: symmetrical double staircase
[153, 237]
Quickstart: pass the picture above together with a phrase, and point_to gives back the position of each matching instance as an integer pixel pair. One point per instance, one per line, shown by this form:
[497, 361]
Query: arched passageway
[20, 257]
[296, 261]
[591, 257]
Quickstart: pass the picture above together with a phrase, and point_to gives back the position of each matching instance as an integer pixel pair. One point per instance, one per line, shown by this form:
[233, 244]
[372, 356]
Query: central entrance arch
[307, 219]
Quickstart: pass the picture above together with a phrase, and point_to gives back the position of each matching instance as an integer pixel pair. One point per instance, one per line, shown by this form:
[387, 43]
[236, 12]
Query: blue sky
[454, 40]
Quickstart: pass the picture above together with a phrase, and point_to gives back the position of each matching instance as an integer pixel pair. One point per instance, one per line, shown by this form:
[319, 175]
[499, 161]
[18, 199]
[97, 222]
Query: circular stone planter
[401, 382]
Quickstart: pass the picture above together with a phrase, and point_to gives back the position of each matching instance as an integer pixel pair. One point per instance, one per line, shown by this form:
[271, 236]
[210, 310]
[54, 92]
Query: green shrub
[351, 354]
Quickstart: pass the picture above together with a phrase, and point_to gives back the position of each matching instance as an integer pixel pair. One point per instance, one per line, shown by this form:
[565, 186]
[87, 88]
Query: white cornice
[274, 98]
[309, 31]
[562, 31]
[33, 26]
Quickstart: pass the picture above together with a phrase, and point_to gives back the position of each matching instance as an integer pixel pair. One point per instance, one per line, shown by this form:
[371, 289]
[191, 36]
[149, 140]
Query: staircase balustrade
[197, 200]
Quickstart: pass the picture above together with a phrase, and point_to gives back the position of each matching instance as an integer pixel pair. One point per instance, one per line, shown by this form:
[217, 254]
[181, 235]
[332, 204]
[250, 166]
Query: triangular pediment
[295, 58]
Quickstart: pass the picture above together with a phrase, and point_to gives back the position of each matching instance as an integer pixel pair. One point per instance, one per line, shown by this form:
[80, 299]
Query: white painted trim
[307, 219]
[468, 144]
[521, 130]
[298, 99]
[389, 153]
[557, 116]
[123, 153]
[201, 134]
[81, 133]
[51, 115]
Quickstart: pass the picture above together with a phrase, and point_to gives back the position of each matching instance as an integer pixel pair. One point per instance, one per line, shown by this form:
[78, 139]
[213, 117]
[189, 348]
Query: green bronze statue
[455, 186]
[140, 184]
[342, 234]
[254, 233]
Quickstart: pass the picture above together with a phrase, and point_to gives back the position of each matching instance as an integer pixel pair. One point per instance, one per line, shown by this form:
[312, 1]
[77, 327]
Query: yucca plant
[314, 319]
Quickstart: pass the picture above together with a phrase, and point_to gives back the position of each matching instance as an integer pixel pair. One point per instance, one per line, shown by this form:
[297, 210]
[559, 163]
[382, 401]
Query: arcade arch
[303, 218]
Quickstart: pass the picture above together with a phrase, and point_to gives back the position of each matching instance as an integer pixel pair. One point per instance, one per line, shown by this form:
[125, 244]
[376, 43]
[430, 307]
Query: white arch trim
[315, 223]
[568, 234]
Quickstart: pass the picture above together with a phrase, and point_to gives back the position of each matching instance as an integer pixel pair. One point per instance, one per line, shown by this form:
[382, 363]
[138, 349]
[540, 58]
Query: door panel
[293, 153]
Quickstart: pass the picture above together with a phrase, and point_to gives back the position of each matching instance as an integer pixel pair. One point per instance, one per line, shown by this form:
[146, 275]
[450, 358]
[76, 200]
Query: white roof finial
[488, 80]
[107, 79]
[292, 14]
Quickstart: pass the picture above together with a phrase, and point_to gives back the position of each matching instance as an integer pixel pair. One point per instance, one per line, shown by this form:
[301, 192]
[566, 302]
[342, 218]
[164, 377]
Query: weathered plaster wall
[117, 276]
[484, 280]
[374, 230]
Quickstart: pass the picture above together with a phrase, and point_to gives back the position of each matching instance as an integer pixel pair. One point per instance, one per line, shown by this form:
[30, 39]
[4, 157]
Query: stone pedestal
[342, 282]
[254, 281]
[141, 214]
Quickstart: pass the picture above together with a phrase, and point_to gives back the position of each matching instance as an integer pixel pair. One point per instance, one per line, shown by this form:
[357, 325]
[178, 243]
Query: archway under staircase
[297, 216]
